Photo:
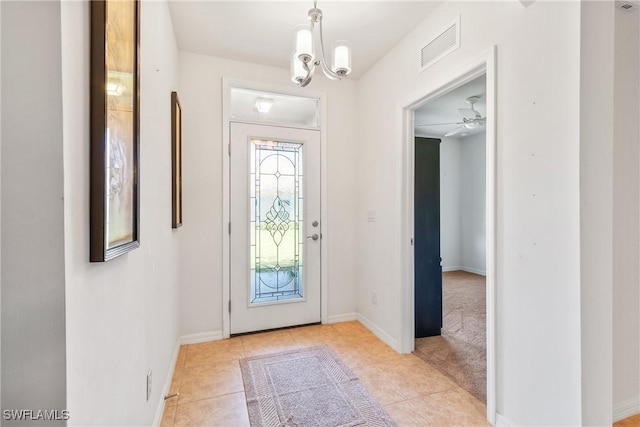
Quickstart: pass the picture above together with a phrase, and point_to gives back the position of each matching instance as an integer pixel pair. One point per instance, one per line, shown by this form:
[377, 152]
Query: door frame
[484, 64]
[227, 84]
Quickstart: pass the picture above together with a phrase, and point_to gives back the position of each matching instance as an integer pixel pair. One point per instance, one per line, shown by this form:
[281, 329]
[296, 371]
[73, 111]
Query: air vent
[441, 45]
[626, 6]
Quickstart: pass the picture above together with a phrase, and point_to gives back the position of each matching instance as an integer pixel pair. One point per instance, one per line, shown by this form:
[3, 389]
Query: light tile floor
[632, 421]
[208, 379]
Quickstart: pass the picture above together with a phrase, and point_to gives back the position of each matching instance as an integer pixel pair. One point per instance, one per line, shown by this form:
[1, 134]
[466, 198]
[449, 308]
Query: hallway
[208, 380]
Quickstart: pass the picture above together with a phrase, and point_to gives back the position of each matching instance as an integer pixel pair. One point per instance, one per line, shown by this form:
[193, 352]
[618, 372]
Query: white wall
[122, 315]
[596, 209]
[626, 157]
[462, 203]
[0, 198]
[33, 271]
[450, 186]
[201, 269]
[472, 203]
[538, 244]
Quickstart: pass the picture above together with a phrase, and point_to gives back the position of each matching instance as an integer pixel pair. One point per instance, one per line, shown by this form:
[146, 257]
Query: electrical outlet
[374, 298]
[149, 377]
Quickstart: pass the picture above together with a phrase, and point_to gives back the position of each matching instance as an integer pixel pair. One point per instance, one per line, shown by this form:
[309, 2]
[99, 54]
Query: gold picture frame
[114, 128]
[176, 161]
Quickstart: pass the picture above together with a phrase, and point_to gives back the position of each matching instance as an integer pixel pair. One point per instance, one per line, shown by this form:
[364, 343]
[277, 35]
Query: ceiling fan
[471, 118]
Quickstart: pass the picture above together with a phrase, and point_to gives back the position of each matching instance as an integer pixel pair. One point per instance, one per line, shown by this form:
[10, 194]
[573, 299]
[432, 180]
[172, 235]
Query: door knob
[313, 237]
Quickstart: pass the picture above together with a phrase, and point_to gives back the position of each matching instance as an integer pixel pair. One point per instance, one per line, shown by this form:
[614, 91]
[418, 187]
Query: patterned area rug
[307, 387]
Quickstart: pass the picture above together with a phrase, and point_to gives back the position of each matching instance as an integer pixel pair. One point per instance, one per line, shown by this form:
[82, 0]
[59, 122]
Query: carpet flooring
[460, 352]
[307, 387]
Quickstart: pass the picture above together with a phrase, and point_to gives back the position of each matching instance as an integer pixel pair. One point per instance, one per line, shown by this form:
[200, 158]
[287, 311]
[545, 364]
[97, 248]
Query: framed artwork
[176, 161]
[114, 128]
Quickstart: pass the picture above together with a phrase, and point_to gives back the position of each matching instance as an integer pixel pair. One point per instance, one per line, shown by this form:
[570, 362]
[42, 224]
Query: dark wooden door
[428, 272]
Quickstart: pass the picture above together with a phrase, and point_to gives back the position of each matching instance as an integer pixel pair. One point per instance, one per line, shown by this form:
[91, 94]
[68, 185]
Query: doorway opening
[450, 235]
[470, 115]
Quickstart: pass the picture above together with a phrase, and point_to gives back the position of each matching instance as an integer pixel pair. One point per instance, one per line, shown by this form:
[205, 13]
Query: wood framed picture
[176, 161]
[114, 128]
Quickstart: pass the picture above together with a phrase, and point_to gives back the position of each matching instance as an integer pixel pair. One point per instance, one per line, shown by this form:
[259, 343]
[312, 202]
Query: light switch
[371, 215]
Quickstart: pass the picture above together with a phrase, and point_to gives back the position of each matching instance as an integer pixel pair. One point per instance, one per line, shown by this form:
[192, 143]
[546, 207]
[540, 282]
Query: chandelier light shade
[304, 43]
[341, 57]
[305, 60]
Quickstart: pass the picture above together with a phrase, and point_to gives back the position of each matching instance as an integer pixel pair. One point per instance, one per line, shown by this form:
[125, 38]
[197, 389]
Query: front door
[275, 227]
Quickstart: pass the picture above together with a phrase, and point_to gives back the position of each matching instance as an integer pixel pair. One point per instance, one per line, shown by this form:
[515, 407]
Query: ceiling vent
[441, 45]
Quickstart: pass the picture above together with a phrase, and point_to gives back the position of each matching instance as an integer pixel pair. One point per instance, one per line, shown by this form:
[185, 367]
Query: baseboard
[346, 317]
[467, 269]
[474, 271]
[201, 337]
[385, 337]
[503, 421]
[167, 384]
[626, 408]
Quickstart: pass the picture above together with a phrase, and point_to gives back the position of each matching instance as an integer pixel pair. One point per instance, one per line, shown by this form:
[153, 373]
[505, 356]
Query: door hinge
[229, 228]
[229, 306]
[229, 148]
[412, 241]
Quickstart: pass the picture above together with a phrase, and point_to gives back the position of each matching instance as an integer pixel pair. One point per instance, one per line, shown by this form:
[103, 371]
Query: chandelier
[304, 60]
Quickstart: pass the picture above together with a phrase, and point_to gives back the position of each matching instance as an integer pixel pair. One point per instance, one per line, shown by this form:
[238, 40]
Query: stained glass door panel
[275, 214]
[276, 221]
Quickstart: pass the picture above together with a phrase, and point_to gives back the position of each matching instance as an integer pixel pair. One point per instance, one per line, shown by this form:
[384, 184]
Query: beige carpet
[460, 352]
[307, 387]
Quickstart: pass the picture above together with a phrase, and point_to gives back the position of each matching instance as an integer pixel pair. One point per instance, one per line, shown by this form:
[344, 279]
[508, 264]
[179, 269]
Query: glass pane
[286, 110]
[120, 68]
[276, 221]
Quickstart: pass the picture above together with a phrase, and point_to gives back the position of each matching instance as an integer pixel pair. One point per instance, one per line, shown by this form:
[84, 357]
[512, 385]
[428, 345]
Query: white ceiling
[444, 109]
[261, 32]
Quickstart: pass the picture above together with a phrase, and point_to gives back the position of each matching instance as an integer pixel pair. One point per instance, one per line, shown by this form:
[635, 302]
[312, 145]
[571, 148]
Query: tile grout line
[212, 397]
[452, 386]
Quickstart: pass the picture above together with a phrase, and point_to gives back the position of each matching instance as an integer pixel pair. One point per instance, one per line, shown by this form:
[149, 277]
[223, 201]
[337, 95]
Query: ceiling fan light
[471, 125]
[341, 58]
